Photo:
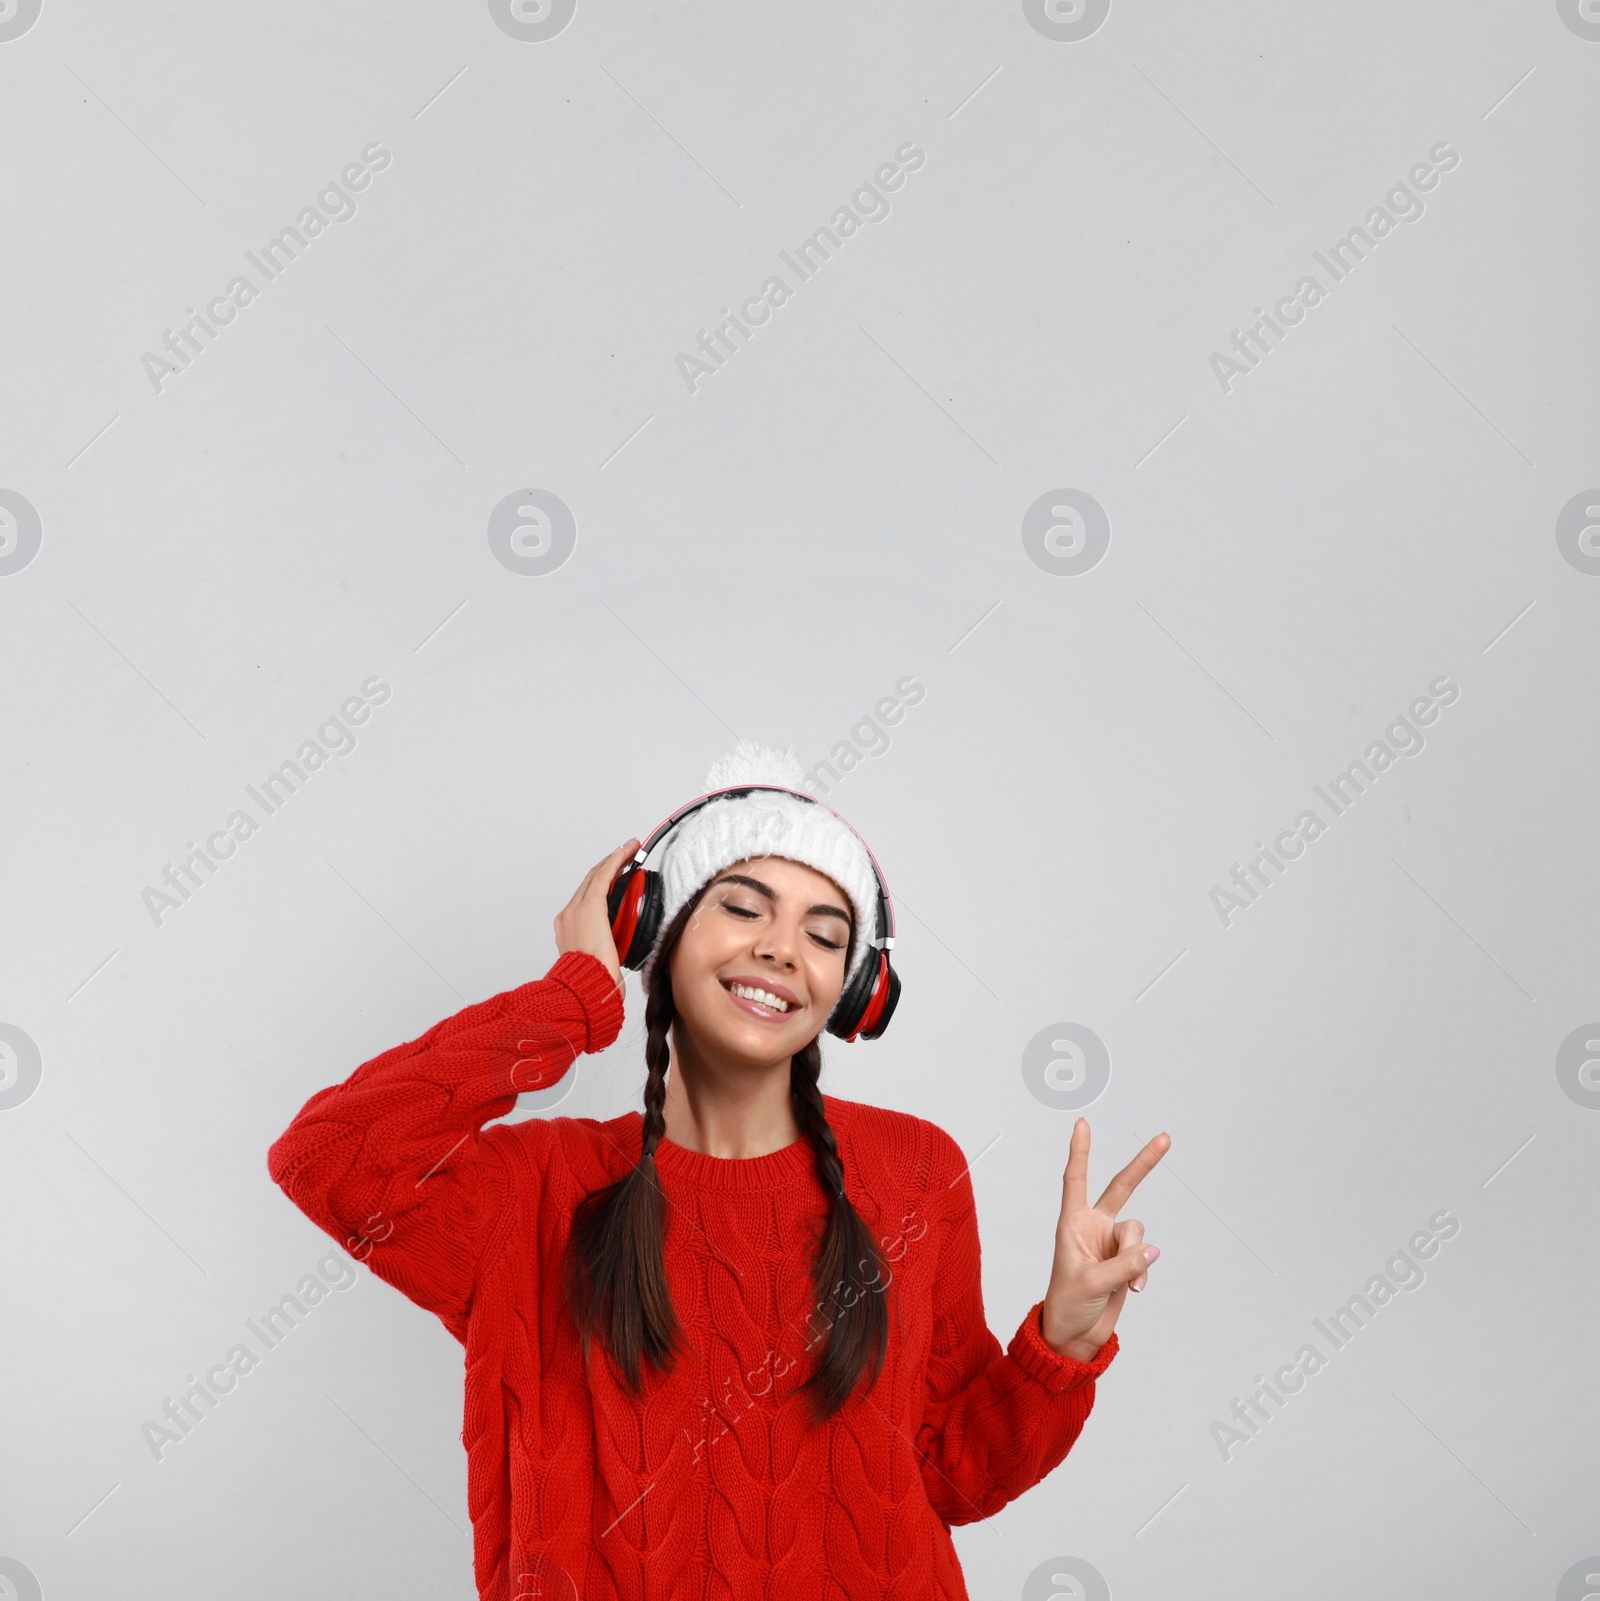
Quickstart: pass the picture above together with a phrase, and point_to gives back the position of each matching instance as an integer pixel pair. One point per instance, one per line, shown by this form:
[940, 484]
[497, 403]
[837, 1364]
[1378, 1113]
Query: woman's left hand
[1097, 1258]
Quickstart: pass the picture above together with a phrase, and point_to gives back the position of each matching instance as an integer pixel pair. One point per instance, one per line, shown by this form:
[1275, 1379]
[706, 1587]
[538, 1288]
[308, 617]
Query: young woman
[733, 1345]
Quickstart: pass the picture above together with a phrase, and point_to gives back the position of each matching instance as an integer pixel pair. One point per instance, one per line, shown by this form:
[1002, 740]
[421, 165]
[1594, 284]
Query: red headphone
[635, 902]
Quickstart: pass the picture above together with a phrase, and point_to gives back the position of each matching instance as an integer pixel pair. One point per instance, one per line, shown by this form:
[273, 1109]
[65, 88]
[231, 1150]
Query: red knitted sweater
[714, 1484]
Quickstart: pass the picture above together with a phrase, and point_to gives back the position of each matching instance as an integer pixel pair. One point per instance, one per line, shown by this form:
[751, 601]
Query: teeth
[765, 997]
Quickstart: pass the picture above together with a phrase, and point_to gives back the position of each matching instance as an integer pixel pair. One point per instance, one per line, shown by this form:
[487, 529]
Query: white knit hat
[765, 823]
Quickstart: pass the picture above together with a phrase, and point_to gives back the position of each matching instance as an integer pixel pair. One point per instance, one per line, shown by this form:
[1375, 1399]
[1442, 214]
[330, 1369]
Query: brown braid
[616, 1275]
[854, 1311]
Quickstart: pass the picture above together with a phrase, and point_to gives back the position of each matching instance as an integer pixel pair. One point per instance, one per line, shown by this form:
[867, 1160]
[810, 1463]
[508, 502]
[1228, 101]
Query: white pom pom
[749, 763]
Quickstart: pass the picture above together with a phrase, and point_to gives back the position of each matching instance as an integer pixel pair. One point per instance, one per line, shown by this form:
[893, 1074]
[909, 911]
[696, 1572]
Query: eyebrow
[821, 908]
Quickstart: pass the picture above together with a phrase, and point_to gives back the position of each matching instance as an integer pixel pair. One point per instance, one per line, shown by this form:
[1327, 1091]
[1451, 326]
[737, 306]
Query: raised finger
[1075, 1183]
[1116, 1193]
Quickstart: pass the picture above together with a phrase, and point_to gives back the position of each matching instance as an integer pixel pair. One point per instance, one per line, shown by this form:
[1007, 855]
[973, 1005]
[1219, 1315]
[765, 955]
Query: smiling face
[765, 924]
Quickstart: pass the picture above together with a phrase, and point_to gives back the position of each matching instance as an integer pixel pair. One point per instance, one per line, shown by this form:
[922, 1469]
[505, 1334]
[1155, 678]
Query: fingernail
[1138, 1283]
[1151, 1252]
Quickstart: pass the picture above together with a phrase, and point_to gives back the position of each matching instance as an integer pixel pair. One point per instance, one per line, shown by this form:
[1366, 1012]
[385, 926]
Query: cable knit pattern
[713, 1485]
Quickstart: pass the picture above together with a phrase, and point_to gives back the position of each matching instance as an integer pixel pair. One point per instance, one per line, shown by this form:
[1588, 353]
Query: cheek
[709, 944]
[705, 941]
[825, 974]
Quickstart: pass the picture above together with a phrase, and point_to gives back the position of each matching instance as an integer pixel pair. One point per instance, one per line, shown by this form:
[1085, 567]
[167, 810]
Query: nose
[775, 943]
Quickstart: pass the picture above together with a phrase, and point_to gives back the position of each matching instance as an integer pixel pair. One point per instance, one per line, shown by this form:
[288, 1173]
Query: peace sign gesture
[1098, 1260]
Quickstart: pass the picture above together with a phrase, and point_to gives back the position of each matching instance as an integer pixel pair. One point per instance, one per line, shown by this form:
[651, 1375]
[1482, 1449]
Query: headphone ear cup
[634, 905]
[852, 1002]
[870, 999]
[885, 997]
[644, 936]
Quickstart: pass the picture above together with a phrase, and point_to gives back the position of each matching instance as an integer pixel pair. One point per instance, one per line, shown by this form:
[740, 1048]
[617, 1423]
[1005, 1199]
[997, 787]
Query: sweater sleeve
[395, 1163]
[994, 1423]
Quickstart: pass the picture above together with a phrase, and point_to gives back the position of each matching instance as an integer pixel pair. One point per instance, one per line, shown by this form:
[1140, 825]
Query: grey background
[1291, 563]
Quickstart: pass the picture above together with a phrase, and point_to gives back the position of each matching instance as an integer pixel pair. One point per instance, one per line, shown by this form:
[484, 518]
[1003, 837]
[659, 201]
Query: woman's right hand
[583, 924]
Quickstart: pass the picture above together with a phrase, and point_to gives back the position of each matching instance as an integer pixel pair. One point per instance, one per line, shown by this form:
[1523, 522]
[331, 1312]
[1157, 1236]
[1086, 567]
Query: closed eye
[745, 911]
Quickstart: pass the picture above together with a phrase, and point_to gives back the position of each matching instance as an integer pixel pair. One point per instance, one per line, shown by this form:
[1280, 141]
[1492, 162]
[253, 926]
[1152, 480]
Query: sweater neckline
[695, 1169]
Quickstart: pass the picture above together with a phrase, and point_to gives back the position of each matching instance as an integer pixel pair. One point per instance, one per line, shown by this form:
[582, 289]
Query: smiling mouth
[758, 1002]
